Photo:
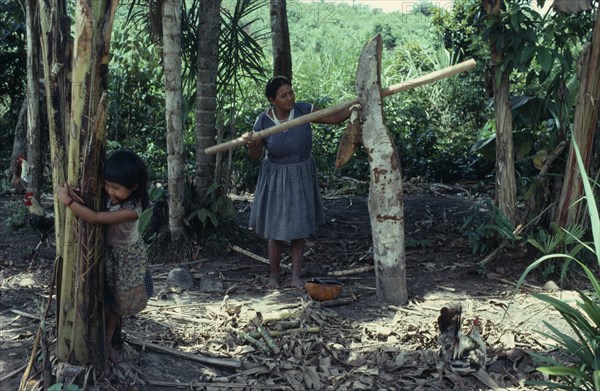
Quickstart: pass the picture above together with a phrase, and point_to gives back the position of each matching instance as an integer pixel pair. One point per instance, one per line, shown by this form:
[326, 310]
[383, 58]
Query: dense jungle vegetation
[443, 131]
[435, 126]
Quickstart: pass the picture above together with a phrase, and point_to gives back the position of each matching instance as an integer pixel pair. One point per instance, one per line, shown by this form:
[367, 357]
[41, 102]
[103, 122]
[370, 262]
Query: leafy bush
[484, 225]
[18, 218]
[215, 209]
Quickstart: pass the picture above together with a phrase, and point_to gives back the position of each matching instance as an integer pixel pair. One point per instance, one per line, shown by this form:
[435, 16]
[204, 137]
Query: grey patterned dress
[128, 278]
[287, 201]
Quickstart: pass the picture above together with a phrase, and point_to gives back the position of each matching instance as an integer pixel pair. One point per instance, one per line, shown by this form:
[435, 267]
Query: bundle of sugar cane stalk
[344, 150]
[262, 338]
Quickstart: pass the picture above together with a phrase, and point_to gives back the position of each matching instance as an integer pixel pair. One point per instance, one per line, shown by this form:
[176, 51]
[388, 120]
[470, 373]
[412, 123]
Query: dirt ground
[197, 339]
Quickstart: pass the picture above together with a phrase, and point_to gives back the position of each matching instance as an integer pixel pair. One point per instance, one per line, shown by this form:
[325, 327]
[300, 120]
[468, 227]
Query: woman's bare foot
[114, 355]
[297, 283]
[273, 283]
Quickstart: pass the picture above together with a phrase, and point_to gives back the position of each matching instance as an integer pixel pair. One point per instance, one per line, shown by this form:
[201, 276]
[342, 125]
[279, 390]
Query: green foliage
[567, 240]
[136, 117]
[12, 73]
[156, 193]
[18, 218]
[12, 58]
[215, 242]
[560, 240]
[435, 124]
[582, 371]
[240, 40]
[424, 7]
[458, 29]
[215, 208]
[484, 225]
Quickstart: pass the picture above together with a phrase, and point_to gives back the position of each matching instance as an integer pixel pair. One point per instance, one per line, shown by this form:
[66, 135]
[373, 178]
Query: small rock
[551, 286]
[179, 280]
[26, 282]
[208, 284]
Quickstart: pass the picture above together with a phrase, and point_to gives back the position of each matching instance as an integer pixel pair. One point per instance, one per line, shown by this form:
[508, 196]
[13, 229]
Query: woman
[287, 202]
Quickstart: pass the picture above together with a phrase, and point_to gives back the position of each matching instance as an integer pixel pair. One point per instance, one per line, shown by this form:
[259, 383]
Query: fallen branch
[254, 256]
[211, 385]
[286, 325]
[176, 315]
[24, 314]
[491, 256]
[336, 302]
[347, 272]
[526, 285]
[221, 362]
[306, 254]
[279, 333]
[281, 315]
[13, 373]
[40, 330]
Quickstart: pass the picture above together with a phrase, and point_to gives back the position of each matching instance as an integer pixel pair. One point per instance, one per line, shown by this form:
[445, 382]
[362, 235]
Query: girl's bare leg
[112, 319]
[274, 263]
[297, 252]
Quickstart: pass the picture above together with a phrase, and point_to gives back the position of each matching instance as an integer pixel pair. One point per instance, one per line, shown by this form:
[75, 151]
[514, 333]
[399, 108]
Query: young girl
[128, 280]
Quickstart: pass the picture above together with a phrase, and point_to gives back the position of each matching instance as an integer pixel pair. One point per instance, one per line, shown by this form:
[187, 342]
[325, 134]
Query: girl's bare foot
[114, 356]
[273, 283]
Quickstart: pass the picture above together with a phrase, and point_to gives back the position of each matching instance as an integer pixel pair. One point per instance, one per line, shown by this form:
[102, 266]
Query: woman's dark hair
[128, 169]
[274, 84]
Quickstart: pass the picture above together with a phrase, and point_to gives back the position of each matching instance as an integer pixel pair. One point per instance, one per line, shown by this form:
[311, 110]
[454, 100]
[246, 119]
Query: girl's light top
[124, 234]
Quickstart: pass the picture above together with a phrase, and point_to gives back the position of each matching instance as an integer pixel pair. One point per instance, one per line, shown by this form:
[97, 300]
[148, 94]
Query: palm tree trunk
[506, 188]
[81, 328]
[280, 38]
[34, 153]
[386, 203]
[206, 90]
[584, 130]
[20, 140]
[173, 110]
[56, 44]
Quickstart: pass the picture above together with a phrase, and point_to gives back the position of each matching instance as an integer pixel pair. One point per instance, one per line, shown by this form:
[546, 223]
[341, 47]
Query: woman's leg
[274, 262]
[297, 252]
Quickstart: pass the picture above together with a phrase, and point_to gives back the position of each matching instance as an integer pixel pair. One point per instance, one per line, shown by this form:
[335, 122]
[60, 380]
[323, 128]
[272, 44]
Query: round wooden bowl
[323, 289]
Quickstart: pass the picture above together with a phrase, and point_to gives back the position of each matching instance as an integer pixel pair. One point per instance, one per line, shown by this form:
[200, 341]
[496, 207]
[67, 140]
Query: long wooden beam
[315, 115]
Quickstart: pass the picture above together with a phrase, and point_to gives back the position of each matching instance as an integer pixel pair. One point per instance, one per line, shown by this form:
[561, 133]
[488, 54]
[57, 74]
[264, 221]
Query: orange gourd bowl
[323, 289]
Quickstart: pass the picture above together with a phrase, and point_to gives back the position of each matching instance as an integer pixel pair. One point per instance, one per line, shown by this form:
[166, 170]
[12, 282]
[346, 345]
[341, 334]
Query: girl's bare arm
[91, 216]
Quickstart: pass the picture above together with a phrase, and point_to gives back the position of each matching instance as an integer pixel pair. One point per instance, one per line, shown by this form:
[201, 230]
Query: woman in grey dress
[287, 201]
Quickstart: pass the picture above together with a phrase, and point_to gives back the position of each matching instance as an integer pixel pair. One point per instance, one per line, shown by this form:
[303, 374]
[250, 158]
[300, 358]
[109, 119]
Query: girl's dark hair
[128, 169]
[274, 84]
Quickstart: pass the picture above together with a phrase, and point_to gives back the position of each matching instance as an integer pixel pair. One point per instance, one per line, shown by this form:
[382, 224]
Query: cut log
[386, 203]
[254, 256]
[394, 89]
[347, 272]
[221, 362]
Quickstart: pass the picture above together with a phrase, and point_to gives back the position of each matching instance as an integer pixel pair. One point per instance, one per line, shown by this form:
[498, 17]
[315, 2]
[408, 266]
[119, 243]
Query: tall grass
[582, 372]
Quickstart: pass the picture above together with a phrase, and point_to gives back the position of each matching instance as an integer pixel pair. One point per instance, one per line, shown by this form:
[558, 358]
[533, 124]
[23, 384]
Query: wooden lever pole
[315, 115]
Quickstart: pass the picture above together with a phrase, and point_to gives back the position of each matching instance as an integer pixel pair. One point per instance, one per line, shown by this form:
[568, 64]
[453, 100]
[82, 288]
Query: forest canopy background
[443, 131]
